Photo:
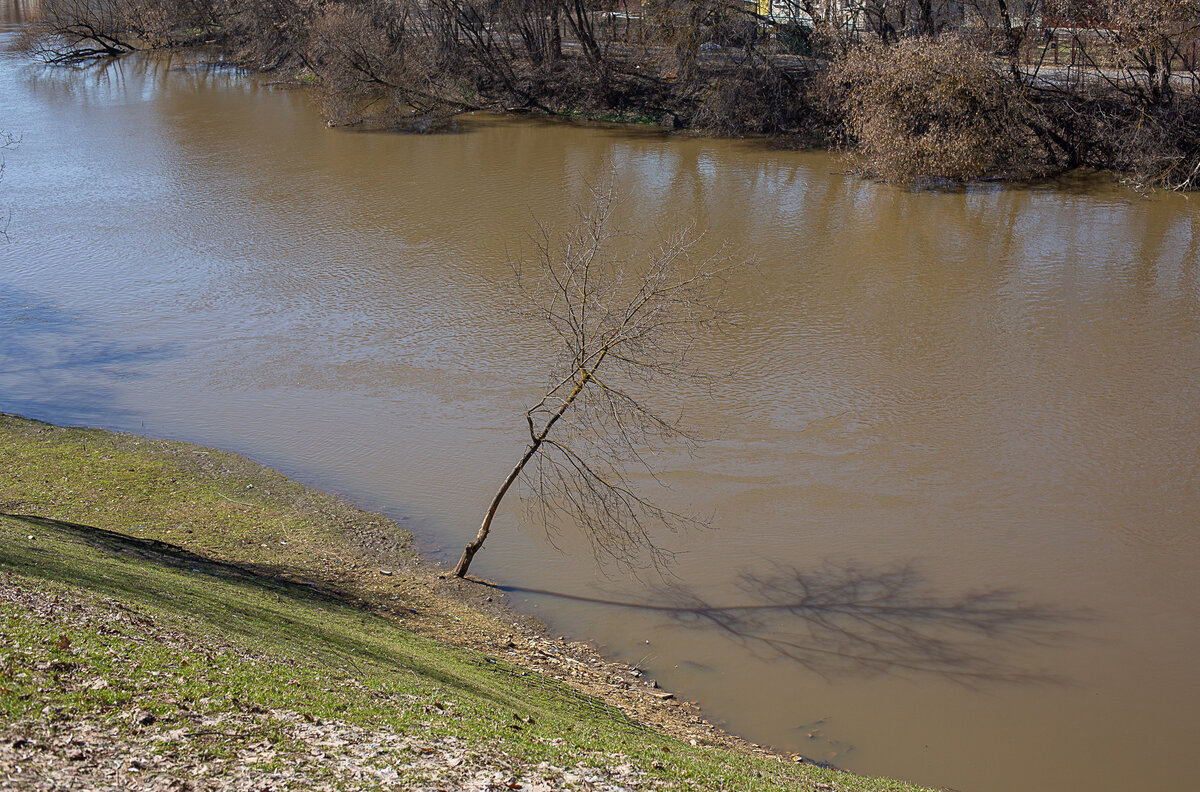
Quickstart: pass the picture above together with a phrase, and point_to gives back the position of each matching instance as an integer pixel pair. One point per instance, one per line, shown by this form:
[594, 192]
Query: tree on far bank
[624, 329]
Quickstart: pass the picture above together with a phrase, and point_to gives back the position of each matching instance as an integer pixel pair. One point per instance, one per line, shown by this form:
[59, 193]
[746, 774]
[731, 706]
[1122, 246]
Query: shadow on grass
[173, 556]
[845, 620]
[286, 616]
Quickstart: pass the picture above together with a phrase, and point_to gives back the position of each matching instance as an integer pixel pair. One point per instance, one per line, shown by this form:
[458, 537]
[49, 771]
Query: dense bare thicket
[939, 109]
[374, 61]
[1124, 95]
[756, 96]
[75, 31]
[944, 89]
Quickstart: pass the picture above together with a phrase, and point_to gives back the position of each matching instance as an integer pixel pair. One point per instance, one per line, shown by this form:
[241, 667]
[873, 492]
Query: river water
[953, 474]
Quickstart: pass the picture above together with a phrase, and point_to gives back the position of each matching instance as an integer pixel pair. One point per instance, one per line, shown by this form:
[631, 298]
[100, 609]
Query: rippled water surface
[954, 475]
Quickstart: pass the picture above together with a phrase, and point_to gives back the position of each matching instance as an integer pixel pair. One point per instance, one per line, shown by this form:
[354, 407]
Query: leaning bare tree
[624, 328]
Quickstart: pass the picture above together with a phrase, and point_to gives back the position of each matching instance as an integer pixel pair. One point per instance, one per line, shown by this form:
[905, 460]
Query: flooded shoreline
[932, 397]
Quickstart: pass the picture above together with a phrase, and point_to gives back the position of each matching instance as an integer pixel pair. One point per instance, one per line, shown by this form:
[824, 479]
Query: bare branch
[626, 326]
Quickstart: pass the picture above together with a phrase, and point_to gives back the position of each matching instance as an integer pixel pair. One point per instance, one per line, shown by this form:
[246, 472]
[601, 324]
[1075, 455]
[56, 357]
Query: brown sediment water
[954, 468]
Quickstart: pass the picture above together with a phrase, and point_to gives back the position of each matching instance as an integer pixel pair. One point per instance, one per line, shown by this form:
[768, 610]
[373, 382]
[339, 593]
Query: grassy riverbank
[176, 617]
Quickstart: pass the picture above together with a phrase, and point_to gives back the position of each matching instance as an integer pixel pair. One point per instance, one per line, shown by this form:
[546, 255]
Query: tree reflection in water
[843, 619]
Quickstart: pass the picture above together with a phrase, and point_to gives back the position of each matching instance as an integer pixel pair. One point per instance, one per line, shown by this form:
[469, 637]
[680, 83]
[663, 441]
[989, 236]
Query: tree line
[917, 91]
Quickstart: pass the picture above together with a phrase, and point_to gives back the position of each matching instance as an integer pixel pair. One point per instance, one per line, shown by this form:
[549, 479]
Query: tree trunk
[471, 549]
[464, 563]
[555, 35]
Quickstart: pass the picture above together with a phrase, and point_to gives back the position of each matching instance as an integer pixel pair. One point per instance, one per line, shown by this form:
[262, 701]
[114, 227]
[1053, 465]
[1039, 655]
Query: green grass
[101, 622]
[278, 646]
[623, 117]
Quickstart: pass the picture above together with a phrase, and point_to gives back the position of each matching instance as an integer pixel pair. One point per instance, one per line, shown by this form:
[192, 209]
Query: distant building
[895, 16]
[839, 12]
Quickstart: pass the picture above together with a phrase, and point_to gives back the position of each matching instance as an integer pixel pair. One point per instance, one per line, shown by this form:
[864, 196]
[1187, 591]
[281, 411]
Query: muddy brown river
[953, 469]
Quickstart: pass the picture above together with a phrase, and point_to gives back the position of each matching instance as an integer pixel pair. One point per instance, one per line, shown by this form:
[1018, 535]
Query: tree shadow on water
[58, 365]
[843, 620]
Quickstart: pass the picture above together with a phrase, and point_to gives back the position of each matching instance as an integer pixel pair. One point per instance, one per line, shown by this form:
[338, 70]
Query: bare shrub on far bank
[931, 108]
[1145, 43]
[920, 91]
[369, 64]
[353, 60]
[1164, 149]
[759, 97]
[76, 31]
[1128, 98]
